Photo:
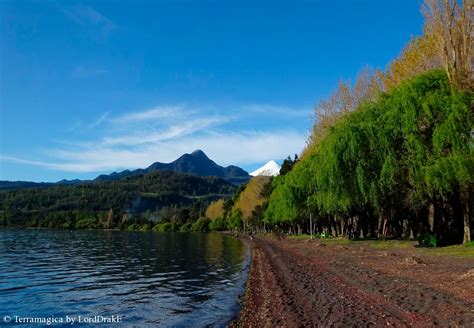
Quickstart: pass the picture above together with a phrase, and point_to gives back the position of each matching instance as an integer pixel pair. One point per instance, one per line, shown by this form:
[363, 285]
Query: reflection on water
[147, 278]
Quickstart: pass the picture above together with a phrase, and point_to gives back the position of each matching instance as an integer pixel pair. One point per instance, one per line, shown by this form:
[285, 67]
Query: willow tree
[332, 177]
[282, 205]
[451, 168]
[436, 122]
[288, 203]
[301, 189]
[379, 172]
[357, 172]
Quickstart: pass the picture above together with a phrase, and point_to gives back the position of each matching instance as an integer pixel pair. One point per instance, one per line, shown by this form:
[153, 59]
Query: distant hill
[15, 185]
[196, 163]
[154, 191]
[70, 182]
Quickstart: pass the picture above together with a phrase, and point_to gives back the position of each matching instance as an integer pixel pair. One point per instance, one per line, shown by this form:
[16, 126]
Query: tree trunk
[371, 233]
[431, 216]
[440, 223]
[385, 228]
[465, 199]
[379, 228]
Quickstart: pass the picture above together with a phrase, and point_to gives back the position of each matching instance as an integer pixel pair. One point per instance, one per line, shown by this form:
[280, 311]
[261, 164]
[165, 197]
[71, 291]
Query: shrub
[429, 240]
[186, 227]
[235, 220]
[202, 225]
[217, 224]
[163, 227]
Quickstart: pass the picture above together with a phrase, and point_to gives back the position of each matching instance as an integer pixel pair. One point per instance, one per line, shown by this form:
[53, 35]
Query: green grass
[332, 240]
[391, 244]
[303, 236]
[380, 244]
[469, 245]
[465, 250]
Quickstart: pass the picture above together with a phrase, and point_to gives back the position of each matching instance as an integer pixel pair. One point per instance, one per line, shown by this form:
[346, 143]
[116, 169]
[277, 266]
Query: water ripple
[150, 279]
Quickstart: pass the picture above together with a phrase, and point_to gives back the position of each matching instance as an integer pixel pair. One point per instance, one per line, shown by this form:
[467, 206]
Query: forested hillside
[143, 199]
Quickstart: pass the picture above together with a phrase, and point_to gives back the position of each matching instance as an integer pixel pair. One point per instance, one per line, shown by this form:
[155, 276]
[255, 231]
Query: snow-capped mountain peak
[269, 169]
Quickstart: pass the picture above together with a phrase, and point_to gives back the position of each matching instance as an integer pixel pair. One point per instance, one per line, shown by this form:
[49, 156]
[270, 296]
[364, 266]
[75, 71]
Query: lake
[113, 278]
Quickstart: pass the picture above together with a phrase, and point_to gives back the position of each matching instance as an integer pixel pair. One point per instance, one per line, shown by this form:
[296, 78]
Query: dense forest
[137, 202]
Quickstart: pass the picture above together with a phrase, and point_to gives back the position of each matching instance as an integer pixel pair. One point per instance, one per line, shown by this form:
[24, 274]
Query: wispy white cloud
[172, 132]
[284, 111]
[89, 17]
[159, 112]
[99, 121]
[19, 160]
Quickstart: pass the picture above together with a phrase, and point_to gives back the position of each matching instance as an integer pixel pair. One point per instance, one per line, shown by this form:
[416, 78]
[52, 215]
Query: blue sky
[92, 87]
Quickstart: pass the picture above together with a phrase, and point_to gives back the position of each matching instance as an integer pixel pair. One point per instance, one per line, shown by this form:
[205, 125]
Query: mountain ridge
[196, 163]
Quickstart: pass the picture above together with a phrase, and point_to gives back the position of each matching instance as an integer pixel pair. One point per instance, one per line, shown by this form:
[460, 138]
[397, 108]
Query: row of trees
[402, 165]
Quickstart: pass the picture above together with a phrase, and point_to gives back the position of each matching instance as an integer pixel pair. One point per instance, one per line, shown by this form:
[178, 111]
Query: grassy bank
[464, 250]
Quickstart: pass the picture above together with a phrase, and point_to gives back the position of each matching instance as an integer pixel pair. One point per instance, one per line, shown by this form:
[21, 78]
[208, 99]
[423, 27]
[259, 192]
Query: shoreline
[301, 283]
[246, 272]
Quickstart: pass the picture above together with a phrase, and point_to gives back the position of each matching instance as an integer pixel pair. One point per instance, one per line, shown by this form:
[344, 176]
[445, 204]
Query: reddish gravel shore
[312, 284]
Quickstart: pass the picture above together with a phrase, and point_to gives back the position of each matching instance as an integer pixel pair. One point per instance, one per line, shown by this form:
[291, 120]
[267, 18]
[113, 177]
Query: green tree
[235, 220]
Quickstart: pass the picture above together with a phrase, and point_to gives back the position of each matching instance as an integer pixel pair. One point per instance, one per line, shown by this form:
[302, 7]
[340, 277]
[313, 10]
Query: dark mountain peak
[199, 153]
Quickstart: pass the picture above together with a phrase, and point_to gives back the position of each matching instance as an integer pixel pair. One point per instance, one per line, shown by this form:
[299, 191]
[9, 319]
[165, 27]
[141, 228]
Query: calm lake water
[149, 279]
